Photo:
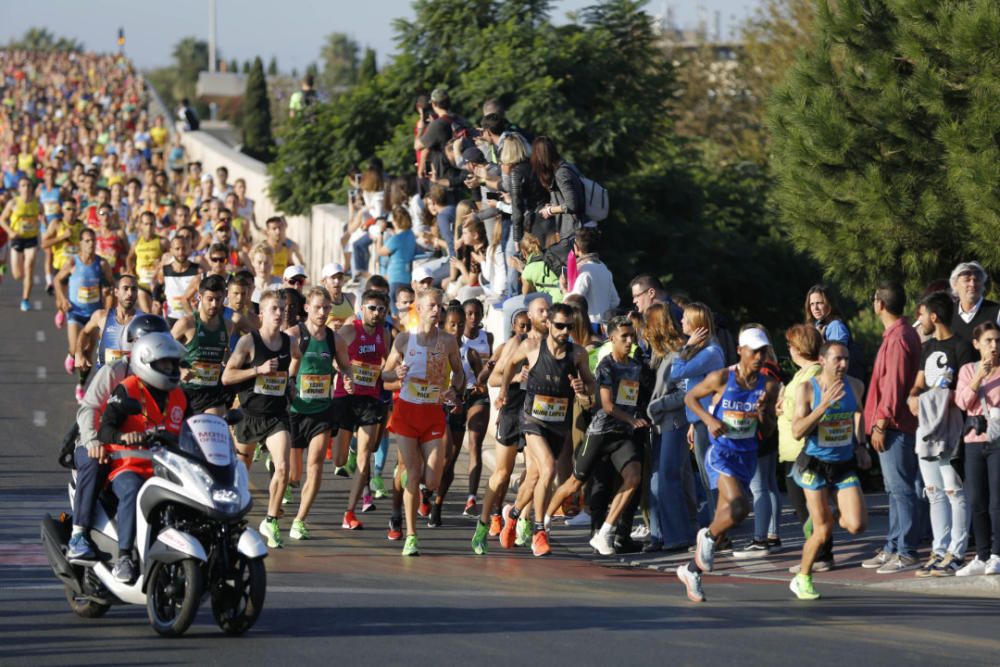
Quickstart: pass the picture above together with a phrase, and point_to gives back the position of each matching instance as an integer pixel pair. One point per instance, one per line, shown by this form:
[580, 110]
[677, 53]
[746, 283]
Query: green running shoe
[802, 586]
[352, 461]
[299, 530]
[412, 546]
[287, 498]
[524, 532]
[268, 463]
[270, 531]
[479, 539]
[258, 453]
[378, 487]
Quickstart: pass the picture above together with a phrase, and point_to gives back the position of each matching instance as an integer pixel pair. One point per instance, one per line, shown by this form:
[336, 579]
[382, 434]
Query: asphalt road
[350, 597]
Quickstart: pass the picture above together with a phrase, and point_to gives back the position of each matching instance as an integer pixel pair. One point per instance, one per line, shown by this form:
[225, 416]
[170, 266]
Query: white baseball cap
[754, 339]
[206, 178]
[293, 272]
[422, 273]
[331, 269]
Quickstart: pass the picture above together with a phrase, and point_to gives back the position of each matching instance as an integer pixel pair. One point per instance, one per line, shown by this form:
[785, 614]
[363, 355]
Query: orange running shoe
[509, 531]
[540, 544]
[425, 503]
[470, 506]
[351, 522]
[496, 525]
[395, 529]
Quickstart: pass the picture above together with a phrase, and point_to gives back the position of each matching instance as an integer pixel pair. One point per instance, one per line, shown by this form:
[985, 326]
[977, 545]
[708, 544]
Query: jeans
[90, 476]
[126, 486]
[360, 255]
[707, 498]
[948, 509]
[766, 499]
[670, 521]
[982, 484]
[901, 473]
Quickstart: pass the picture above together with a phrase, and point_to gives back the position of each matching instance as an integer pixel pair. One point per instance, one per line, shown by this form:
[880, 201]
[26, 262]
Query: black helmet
[144, 324]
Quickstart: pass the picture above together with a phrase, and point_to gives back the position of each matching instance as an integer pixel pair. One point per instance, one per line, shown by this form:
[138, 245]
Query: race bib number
[71, 250]
[146, 275]
[314, 386]
[29, 226]
[271, 384]
[628, 393]
[206, 373]
[836, 430]
[88, 294]
[176, 304]
[422, 391]
[739, 425]
[365, 375]
[549, 408]
[111, 356]
[51, 208]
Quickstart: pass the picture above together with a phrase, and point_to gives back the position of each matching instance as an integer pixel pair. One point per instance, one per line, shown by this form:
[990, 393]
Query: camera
[976, 423]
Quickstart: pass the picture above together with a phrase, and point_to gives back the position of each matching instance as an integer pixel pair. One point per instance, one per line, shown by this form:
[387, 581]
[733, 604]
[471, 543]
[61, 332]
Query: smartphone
[495, 196]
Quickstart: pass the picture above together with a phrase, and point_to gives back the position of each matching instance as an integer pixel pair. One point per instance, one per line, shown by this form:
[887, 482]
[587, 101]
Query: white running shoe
[993, 565]
[973, 568]
[704, 551]
[691, 581]
[603, 544]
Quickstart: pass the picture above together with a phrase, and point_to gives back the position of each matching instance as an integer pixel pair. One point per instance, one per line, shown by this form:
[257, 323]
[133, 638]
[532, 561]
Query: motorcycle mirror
[131, 406]
[234, 417]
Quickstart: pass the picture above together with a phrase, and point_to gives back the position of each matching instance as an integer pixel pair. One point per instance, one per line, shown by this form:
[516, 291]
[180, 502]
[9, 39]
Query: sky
[291, 30]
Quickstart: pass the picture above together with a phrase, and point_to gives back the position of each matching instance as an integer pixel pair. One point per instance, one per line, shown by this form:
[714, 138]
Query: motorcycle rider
[89, 455]
[156, 366]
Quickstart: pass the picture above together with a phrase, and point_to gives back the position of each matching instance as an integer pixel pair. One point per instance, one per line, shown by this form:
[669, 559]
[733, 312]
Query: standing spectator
[520, 182]
[567, 200]
[821, 311]
[444, 214]
[969, 282]
[892, 429]
[536, 276]
[302, 98]
[400, 249]
[594, 281]
[187, 114]
[434, 137]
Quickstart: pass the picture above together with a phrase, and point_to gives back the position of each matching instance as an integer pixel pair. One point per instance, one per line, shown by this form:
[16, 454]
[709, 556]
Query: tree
[257, 139]
[884, 141]
[40, 39]
[272, 66]
[312, 69]
[246, 67]
[234, 66]
[368, 67]
[340, 62]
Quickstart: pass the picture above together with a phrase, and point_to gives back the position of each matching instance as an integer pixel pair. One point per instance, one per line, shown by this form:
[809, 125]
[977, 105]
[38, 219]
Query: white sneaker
[691, 581]
[640, 532]
[604, 544]
[581, 519]
[704, 551]
[973, 568]
[993, 565]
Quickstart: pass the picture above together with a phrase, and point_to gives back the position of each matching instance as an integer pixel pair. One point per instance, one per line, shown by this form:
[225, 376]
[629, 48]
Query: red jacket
[150, 417]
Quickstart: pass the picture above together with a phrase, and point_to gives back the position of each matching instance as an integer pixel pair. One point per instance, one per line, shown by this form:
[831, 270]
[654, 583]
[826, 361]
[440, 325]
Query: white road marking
[40, 419]
[38, 305]
[37, 279]
[41, 372]
[40, 336]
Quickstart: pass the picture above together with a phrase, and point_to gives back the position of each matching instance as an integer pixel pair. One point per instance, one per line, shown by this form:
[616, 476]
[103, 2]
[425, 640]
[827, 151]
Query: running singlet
[51, 202]
[281, 257]
[85, 287]
[204, 354]
[266, 395]
[315, 376]
[547, 391]
[427, 371]
[481, 344]
[69, 247]
[833, 438]
[112, 248]
[24, 218]
[175, 285]
[147, 256]
[515, 392]
[737, 409]
[111, 348]
[366, 352]
[341, 312]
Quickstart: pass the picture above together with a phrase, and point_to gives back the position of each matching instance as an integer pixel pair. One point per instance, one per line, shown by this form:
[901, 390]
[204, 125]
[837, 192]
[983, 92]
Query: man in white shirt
[593, 281]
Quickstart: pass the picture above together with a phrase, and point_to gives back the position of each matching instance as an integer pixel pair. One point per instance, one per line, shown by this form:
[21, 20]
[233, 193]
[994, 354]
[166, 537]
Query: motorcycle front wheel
[173, 595]
[238, 598]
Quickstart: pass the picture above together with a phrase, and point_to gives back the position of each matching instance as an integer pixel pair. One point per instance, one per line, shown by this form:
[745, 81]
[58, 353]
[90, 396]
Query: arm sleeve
[113, 416]
[707, 360]
[965, 398]
[836, 332]
[895, 385]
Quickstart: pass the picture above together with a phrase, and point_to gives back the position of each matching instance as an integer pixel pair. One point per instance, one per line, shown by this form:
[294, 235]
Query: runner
[107, 327]
[611, 433]
[50, 196]
[743, 400]
[62, 238]
[341, 303]
[285, 251]
[477, 399]
[20, 219]
[238, 290]
[420, 359]
[144, 258]
[558, 369]
[359, 409]
[261, 365]
[177, 278]
[87, 274]
[205, 336]
[312, 412]
[828, 414]
[112, 242]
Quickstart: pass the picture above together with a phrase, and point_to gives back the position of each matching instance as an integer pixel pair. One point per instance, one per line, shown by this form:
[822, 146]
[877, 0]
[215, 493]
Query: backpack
[595, 197]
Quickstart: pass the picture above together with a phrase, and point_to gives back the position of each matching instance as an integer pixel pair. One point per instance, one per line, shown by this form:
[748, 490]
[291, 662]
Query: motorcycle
[191, 537]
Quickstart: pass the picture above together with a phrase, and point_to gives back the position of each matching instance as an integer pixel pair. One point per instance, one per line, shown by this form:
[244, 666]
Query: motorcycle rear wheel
[85, 607]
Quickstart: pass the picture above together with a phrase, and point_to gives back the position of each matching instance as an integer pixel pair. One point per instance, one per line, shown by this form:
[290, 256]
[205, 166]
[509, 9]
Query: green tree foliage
[885, 141]
[234, 66]
[272, 66]
[246, 67]
[340, 63]
[368, 67]
[257, 139]
[178, 81]
[40, 39]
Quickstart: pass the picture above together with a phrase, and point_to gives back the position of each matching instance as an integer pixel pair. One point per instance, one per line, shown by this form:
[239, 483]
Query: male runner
[341, 303]
[312, 413]
[62, 239]
[421, 359]
[743, 400]
[107, 326]
[21, 219]
[359, 408]
[144, 259]
[286, 251]
[558, 370]
[477, 399]
[205, 336]
[262, 363]
[176, 278]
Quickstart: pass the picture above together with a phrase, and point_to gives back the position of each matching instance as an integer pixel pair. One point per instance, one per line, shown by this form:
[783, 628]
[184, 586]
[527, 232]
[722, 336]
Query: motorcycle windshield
[206, 438]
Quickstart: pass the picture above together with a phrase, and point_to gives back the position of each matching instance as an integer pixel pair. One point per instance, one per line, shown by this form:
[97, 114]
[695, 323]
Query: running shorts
[618, 447]
[253, 429]
[350, 413]
[509, 433]
[307, 427]
[814, 474]
[422, 421]
[729, 462]
[19, 244]
[202, 398]
[554, 439]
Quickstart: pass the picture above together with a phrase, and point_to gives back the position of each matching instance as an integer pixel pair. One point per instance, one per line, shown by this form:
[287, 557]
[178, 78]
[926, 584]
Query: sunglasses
[225, 219]
[372, 308]
[221, 230]
[560, 326]
[217, 259]
[297, 280]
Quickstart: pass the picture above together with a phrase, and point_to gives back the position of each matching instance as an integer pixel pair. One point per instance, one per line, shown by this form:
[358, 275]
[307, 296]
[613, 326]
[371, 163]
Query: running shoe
[434, 520]
[691, 581]
[897, 563]
[79, 393]
[581, 519]
[352, 461]
[704, 551]
[124, 569]
[470, 507]
[80, 548]
[540, 544]
[509, 530]
[973, 568]
[287, 498]
[524, 529]
[367, 503]
[268, 463]
[993, 565]
[425, 502]
[876, 561]
[378, 486]
[395, 529]
[640, 532]
[258, 453]
[927, 569]
[299, 530]
[341, 471]
[351, 521]
[69, 364]
[412, 546]
[802, 586]
[755, 549]
[25, 305]
[269, 529]
[496, 525]
[603, 544]
[60, 319]
[479, 539]
[947, 566]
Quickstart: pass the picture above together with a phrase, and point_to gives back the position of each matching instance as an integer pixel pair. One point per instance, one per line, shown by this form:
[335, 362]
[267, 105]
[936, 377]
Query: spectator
[400, 248]
[187, 114]
[434, 136]
[566, 196]
[536, 276]
[968, 283]
[594, 281]
[821, 311]
[302, 98]
[445, 216]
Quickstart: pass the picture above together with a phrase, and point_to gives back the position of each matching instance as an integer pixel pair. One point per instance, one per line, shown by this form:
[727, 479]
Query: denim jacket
[692, 371]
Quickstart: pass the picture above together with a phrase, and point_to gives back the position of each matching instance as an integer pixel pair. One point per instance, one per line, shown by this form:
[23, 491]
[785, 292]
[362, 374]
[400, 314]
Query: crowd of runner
[662, 409]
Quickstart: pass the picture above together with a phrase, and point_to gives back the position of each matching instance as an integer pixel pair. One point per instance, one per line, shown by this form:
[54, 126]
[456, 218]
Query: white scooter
[191, 537]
